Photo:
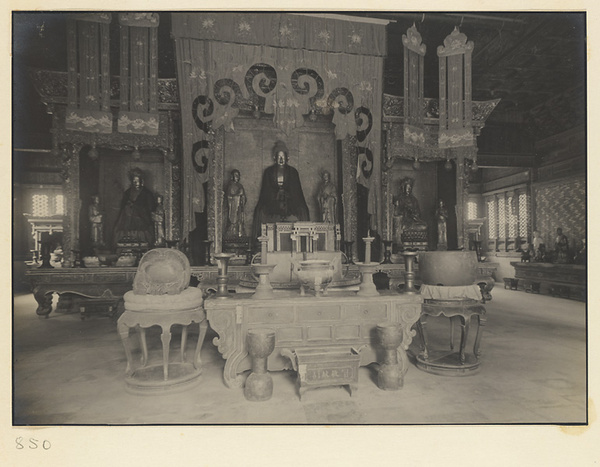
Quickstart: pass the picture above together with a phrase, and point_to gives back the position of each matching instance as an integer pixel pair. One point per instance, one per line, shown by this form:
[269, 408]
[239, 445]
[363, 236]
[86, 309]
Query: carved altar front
[342, 319]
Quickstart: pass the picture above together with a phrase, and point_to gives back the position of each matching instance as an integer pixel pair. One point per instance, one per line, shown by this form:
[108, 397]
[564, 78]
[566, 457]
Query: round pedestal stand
[448, 363]
[389, 376]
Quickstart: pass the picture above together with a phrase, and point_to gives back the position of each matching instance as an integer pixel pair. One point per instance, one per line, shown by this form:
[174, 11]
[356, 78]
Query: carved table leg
[44, 301]
[201, 334]
[143, 345]
[124, 333]
[422, 326]
[259, 385]
[481, 322]
[230, 375]
[463, 338]
[184, 331]
[165, 337]
[452, 320]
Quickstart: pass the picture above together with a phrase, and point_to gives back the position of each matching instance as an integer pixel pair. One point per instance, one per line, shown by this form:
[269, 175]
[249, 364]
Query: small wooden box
[327, 367]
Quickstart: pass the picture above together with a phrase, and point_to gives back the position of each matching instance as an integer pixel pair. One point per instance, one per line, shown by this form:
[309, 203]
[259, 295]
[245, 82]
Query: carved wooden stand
[444, 362]
[259, 385]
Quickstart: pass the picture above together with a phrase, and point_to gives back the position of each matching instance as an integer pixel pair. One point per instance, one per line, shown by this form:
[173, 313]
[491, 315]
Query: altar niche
[311, 150]
[425, 189]
[108, 177]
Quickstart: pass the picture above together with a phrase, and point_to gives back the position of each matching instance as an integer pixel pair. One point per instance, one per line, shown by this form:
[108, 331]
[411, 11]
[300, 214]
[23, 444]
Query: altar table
[110, 283]
[339, 319]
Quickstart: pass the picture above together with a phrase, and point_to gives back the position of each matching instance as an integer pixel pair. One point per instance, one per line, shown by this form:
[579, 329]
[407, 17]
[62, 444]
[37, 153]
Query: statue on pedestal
[235, 195]
[95, 217]
[281, 198]
[407, 214]
[135, 217]
[327, 197]
[158, 218]
[441, 216]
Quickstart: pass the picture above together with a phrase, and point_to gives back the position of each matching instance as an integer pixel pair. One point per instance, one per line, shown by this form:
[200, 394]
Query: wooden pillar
[350, 159]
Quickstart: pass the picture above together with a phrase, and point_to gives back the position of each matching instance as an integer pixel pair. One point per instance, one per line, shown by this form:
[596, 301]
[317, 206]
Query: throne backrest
[162, 271]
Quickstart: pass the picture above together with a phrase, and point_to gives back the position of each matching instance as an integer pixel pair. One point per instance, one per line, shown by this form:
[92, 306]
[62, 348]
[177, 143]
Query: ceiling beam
[489, 161]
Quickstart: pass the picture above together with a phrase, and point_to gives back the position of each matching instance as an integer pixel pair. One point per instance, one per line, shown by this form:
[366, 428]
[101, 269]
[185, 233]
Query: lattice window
[524, 210]
[59, 205]
[40, 205]
[501, 218]
[512, 218]
[492, 219]
[509, 215]
[471, 210]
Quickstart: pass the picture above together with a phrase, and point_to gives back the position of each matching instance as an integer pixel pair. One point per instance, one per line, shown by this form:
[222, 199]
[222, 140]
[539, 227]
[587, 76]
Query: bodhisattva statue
[158, 218]
[135, 217]
[407, 214]
[441, 216]
[281, 198]
[95, 217]
[235, 196]
[327, 197]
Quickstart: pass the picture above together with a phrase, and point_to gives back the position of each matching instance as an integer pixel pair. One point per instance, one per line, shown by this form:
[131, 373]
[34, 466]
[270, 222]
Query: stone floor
[68, 371]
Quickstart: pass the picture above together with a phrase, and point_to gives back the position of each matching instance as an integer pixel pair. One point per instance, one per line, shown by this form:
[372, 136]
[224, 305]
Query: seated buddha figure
[408, 225]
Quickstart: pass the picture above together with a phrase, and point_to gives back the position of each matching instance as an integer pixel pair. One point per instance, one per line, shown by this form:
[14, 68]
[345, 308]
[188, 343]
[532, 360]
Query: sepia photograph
[299, 218]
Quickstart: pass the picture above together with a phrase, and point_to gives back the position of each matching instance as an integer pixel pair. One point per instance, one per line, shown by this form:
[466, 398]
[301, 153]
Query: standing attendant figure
[158, 218]
[441, 216]
[95, 217]
[327, 197]
[235, 196]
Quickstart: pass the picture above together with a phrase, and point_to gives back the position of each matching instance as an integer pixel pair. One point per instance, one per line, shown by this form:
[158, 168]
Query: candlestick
[264, 289]
[222, 263]
[368, 240]
[409, 274]
[263, 239]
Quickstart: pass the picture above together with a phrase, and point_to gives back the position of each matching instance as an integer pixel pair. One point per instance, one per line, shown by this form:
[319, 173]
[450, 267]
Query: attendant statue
[536, 242]
[158, 218]
[407, 213]
[135, 217]
[561, 247]
[281, 198]
[327, 197]
[581, 255]
[441, 216]
[235, 196]
[95, 217]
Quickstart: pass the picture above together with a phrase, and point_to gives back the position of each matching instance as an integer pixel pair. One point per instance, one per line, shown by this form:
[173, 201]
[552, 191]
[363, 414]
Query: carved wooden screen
[414, 56]
[139, 73]
[88, 91]
[456, 111]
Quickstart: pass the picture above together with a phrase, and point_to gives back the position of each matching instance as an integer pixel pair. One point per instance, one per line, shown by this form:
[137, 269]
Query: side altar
[566, 280]
[340, 319]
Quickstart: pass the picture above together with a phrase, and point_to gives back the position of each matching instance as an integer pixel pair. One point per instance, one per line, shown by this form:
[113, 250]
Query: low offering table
[342, 319]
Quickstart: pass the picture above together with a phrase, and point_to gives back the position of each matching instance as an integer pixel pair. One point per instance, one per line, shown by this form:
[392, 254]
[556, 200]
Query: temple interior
[363, 218]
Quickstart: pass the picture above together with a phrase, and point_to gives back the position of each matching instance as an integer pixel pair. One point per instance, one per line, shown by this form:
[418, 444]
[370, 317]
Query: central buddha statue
[281, 198]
